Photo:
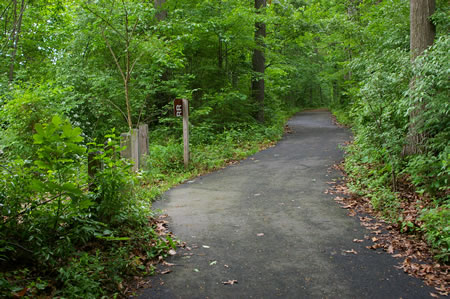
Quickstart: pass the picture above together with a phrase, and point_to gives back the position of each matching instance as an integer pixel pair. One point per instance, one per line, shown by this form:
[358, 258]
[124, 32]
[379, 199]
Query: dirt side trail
[267, 224]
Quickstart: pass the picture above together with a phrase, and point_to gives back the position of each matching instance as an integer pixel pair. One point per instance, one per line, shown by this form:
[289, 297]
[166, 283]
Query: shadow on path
[267, 223]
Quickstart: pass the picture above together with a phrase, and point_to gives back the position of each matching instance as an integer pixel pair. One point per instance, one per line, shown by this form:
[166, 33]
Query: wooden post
[135, 149]
[131, 142]
[186, 132]
[143, 145]
[125, 141]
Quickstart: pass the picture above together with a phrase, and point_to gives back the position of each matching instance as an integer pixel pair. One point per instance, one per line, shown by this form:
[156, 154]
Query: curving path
[267, 223]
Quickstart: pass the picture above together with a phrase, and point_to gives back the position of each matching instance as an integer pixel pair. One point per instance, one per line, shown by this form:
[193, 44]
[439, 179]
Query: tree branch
[114, 56]
[6, 9]
[134, 62]
[118, 108]
[104, 20]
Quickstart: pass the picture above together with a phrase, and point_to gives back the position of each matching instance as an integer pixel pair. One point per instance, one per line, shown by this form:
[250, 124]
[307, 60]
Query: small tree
[124, 58]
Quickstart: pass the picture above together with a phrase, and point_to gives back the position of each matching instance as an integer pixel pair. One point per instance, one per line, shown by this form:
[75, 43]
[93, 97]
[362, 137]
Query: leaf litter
[230, 282]
[416, 255]
[160, 227]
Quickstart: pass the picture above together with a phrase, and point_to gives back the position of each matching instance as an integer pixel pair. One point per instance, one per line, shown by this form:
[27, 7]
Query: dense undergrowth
[68, 235]
[409, 190]
[71, 71]
[389, 101]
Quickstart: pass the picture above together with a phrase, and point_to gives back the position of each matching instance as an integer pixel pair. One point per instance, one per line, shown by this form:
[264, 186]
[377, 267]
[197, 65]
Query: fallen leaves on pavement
[230, 282]
[166, 271]
[416, 255]
[287, 129]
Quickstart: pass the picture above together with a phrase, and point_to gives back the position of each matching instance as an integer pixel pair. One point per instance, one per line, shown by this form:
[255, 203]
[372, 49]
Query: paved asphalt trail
[278, 192]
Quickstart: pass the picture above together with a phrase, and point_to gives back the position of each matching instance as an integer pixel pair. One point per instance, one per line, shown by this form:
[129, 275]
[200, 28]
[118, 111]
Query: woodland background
[75, 74]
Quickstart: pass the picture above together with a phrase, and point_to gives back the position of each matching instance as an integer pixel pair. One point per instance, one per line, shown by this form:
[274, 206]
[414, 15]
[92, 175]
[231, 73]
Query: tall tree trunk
[258, 62]
[422, 34]
[220, 54]
[422, 30]
[17, 26]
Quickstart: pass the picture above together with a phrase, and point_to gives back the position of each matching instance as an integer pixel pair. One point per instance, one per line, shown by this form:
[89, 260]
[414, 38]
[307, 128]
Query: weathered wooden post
[125, 142]
[143, 144]
[131, 151]
[186, 132]
[181, 108]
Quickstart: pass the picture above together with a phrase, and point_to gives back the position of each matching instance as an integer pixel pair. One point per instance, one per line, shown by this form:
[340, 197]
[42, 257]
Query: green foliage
[42, 199]
[436, 226]
[71, 61]
[431, 171]
[13, 283]
[92, 62]
[372, 179]
[384, 91]
[116, 189]
[22, 109]
[48, 214]
[83, 277]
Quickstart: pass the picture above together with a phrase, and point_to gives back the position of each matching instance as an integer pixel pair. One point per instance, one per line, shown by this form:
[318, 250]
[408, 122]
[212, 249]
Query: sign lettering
[178, 107]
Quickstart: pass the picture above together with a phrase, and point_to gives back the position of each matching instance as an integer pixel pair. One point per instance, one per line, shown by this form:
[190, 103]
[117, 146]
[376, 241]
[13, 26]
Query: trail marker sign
[178, 107]
[181, 108]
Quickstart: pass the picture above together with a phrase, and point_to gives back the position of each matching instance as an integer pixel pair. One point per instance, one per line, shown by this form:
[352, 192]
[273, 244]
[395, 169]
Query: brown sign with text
[178, 107]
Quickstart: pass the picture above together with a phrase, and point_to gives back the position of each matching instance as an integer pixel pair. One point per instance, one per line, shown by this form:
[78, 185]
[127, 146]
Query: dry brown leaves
[415, 253]
[160, 226]
[230, 282]
[351, 251]
[267, 145]
[287, 130]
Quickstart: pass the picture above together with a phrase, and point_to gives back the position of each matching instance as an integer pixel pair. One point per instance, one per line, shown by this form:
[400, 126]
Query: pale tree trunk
[422, 34]
[258, 62]
[15, 35]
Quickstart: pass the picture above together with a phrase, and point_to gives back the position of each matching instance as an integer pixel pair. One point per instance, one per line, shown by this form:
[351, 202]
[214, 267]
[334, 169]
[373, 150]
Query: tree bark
[220, 54]
[422, 30]
[422, 34]
[258, 62]
[17, 26]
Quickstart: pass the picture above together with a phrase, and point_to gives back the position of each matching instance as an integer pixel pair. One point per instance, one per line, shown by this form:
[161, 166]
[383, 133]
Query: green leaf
[56, 120]
[37, 185]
